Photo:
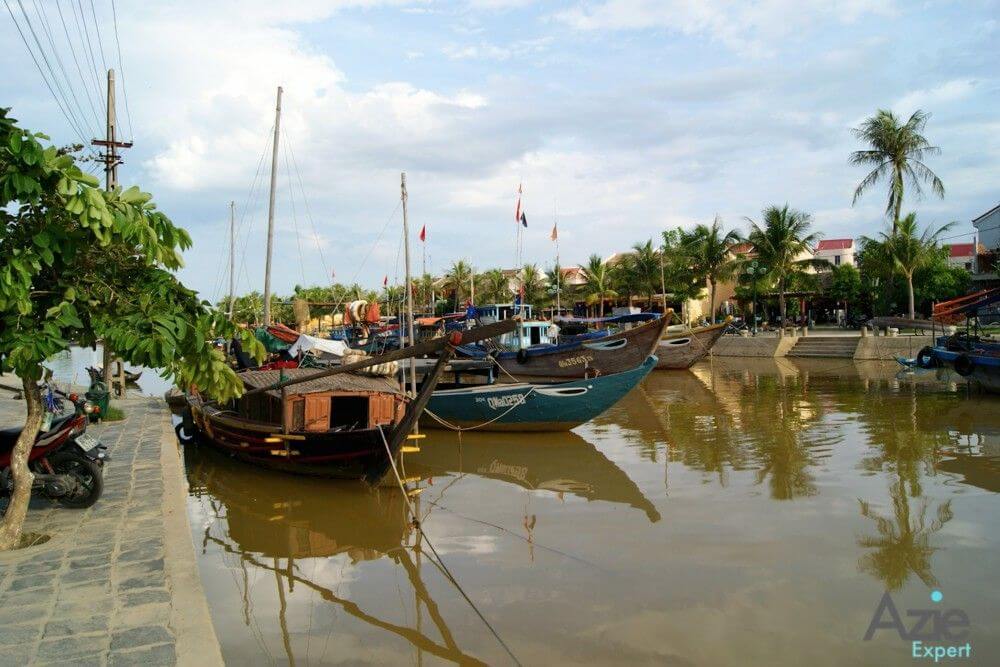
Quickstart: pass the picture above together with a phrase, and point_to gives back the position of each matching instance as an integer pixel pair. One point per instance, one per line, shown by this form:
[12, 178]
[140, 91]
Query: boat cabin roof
[346, 382]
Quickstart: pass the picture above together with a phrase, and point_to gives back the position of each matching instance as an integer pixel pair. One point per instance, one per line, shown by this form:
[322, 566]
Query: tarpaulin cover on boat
[270, 343]
[306, 343]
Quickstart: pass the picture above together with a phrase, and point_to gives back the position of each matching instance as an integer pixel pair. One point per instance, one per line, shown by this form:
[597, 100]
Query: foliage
[709, 254]
[597, 286]
[680, 280]
[845, 285]
[493, 287]
[113, 414]
[781, 243]
[904, 251]
[457, 279]
[896, 154]
[534, 285]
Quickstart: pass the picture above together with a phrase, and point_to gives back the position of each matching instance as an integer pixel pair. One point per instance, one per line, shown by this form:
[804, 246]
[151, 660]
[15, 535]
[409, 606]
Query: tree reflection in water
[902, 545]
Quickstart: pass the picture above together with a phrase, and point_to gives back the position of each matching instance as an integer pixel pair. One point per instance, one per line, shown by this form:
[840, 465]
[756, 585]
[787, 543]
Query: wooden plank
[426, 347]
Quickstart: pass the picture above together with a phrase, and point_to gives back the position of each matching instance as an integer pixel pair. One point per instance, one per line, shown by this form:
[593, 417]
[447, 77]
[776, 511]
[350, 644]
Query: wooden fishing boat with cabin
[335, 423]
[685, 348]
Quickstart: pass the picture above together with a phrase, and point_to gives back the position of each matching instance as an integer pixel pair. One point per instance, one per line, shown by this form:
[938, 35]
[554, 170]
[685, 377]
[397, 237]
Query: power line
[81, 27]
[121, 70]
[45, 79]
[97, 30]
[79, 69]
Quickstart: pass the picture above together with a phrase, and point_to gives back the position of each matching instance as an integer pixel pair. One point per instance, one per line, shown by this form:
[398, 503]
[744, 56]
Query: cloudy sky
[620, 117]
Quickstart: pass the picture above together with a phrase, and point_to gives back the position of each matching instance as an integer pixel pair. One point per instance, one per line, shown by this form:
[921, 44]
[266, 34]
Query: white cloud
[936, 97]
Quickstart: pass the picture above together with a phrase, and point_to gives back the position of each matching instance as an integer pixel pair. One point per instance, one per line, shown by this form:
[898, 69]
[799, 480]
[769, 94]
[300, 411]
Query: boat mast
[409, 290]
[232, 256]
[270, 212]
[555, 235]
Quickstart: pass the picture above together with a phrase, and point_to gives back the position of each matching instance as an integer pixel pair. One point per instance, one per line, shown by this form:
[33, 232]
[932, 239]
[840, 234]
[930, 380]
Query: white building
[988, 227]
[836, 251]
[963, 255]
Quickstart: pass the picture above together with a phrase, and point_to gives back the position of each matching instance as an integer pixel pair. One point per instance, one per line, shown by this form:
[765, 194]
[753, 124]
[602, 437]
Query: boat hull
[531, 407]
[985, 369]
[356, 454]
[683, 350]
[617, 353]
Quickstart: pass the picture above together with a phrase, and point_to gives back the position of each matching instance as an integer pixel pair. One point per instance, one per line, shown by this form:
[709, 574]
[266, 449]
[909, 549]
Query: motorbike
[67, 462]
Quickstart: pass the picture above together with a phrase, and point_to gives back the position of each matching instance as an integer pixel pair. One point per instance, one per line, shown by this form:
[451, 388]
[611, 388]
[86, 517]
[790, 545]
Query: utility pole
[409, 291]
[232, 257]
[111, 161]
[270, 212]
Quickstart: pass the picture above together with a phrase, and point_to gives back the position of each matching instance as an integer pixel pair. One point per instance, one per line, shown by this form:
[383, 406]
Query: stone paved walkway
[100, 591]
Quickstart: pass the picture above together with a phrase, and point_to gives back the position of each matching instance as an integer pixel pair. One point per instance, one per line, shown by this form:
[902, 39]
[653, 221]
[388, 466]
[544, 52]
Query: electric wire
[81, 28]
[295, 220]
[121, 69]
[79, 69]
[97, 30]
[305, 201]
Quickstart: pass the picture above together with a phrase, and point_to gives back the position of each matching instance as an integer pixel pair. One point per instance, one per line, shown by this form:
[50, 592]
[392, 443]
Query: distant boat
[98, 374]
[683, 349]
[531, 407]
[615, 353]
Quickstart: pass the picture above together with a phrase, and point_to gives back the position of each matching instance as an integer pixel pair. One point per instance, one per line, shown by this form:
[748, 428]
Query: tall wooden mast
[270, 211]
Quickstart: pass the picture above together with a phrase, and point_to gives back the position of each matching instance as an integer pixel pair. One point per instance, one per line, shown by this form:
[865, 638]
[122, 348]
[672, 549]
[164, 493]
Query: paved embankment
[866, 348]
[117, 583]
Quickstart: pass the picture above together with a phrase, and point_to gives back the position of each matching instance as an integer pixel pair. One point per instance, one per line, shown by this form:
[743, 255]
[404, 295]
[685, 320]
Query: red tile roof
[962, 250]
[835, 244]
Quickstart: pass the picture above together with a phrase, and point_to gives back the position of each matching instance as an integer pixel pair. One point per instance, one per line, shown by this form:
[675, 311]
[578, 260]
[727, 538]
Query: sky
[618, 118]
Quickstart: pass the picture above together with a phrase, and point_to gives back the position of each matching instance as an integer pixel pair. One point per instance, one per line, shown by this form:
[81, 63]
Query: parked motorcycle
[67, 462]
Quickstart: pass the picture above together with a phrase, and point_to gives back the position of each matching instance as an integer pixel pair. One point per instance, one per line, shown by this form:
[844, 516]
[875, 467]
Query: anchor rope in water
[437, 558]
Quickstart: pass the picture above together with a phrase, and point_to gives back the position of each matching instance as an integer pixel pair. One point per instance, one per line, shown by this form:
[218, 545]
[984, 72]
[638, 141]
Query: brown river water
[743, 512]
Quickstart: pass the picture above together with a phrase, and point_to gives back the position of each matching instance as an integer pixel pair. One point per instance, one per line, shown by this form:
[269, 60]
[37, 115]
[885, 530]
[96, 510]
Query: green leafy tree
[80, 265]
[597, 286]
[781, 242]
[845, 285]
[644, 264]
[248, 309]
[906, 250]
[678, 279]
[534, 284]
[896, 155]
[494, 286]
[709, 253]
[423, 292]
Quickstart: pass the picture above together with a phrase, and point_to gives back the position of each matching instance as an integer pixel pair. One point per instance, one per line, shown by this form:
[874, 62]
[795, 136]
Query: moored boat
[615, 353]
[525, 406]
[684, 349]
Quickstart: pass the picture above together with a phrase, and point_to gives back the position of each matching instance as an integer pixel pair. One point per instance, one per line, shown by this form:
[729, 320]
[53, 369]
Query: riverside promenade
[115, 584]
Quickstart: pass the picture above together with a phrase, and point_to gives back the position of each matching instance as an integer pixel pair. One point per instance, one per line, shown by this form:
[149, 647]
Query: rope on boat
[437, 558]
[454, 427]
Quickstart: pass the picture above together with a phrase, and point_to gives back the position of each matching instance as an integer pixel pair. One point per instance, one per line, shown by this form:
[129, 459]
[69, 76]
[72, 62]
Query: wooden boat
[683, 349]
[98, 374]
[979, 364]
[524, 406]
[331, 423]
[615, 353]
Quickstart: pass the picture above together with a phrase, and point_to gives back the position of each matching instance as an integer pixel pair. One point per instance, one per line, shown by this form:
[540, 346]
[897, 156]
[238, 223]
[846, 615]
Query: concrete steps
[842, 347]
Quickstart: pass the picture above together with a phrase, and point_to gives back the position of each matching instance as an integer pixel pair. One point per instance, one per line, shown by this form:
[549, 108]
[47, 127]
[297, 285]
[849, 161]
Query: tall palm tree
[423, 291]
[896, 154]
[905, 251]
[457, 279]
[534, 285]
[708, 251]
[780, 241]
[598, 282]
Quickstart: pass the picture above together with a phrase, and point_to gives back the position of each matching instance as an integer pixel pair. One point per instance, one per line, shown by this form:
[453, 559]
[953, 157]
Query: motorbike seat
[9, 436]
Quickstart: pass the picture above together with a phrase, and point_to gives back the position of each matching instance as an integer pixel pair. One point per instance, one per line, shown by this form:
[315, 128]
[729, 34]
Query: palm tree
[423, 291]
[779, 244]
[457, 279]
[905, 251]
[534, 285]
[494, 285]
[598, 282]
[708, 251]
[896, 154]
[644, 264]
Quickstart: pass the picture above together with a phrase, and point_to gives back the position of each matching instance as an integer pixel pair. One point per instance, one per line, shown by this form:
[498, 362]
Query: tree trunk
[13, 521]
[909, 287]
[711, 300]
[781, 309]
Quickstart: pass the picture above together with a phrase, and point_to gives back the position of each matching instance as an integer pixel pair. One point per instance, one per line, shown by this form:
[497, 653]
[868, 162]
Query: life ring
[522, 356]
[183, 436]
[963, 365]
[926, 358]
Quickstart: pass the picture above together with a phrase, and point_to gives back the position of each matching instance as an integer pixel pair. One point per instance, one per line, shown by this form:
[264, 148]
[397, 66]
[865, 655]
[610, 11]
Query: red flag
[517, 211]
[555, 231]
[385, 281]
[423, 233]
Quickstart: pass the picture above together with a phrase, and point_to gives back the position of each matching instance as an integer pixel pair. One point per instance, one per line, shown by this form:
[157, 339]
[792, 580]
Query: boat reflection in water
[315, 535]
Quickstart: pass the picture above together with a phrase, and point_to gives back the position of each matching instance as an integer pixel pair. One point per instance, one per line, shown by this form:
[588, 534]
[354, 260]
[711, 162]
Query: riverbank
[116, 583]
[822, 344]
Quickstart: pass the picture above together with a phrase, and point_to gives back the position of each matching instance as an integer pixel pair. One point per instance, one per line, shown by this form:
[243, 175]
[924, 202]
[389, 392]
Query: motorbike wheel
[89, 476]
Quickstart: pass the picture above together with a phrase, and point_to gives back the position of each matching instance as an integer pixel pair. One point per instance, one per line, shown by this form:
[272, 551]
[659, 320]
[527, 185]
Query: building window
[968, 266]
[836, 260]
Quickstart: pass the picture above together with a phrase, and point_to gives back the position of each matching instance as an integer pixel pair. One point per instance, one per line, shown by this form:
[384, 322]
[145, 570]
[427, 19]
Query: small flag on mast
[518, 213]
[555, 231]
[423, 233]
[385, 281]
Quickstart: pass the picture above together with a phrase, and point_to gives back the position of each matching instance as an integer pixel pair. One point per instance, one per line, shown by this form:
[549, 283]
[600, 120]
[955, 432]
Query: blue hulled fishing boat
[525, 406]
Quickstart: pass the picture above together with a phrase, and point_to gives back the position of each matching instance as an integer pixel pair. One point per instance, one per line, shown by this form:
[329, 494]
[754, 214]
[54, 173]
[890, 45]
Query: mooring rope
[437, 557]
